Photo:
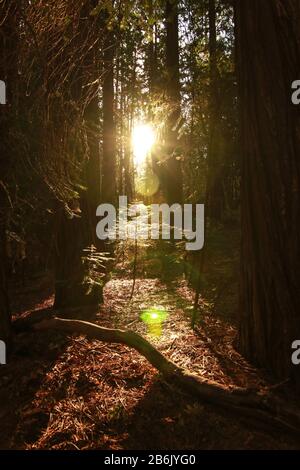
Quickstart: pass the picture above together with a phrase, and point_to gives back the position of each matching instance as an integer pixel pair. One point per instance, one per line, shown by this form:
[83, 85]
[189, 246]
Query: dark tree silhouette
[172, 181]
[8, 73]
[108, 172]
[268, 40]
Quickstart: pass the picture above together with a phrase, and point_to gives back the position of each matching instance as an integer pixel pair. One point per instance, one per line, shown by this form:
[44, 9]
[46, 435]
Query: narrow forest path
[68, 393]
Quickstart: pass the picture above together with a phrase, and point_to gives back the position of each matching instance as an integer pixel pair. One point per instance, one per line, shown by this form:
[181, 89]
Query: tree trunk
[5, 317]
[75, 283]
[8, 73]
[152, 71]
[215, 188]
[172, 180]
[268, 52]
[109, 131]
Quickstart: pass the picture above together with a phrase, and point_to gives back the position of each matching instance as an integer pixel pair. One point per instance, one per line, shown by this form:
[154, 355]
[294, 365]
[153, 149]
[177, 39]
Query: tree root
[261, 408]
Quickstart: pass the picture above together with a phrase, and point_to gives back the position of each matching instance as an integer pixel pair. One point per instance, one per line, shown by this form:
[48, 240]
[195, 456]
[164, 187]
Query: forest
[149, 225]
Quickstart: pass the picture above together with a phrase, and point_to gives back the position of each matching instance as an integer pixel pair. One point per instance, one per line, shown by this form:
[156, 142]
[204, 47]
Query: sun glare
[143, 138]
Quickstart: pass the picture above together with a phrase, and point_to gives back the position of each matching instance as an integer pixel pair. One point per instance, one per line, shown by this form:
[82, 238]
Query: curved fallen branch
[242, 401]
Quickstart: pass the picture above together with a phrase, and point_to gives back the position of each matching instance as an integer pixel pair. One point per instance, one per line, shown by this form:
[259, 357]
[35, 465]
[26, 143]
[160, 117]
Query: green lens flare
[154, 318]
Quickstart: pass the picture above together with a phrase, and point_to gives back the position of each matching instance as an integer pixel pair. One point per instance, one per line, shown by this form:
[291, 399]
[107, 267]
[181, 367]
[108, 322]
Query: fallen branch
[243, 402]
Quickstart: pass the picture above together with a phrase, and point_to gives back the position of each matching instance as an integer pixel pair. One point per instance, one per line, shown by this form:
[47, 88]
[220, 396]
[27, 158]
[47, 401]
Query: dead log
[243, 402]
[27, 321]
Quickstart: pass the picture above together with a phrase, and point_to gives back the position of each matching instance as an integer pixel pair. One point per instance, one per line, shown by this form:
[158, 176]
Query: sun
[143, 139]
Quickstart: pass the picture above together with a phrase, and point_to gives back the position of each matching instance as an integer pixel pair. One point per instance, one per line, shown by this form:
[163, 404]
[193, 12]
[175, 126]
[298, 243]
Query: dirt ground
[70, 393]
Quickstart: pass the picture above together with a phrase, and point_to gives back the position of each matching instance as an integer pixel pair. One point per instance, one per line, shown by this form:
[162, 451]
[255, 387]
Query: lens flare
[154, 318]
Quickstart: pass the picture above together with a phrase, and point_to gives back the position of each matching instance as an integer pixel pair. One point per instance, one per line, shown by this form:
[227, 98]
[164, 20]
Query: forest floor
[62, 392]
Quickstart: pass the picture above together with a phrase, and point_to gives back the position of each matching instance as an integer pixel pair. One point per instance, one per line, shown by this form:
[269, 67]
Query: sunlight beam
[143, 139]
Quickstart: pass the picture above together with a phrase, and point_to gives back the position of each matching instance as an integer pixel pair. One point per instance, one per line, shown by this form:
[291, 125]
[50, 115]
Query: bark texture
[172, 178]
[268, 52]
[8, 74]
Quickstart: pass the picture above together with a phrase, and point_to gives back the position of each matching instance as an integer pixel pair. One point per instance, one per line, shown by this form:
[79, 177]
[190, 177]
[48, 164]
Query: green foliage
[95, 263]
